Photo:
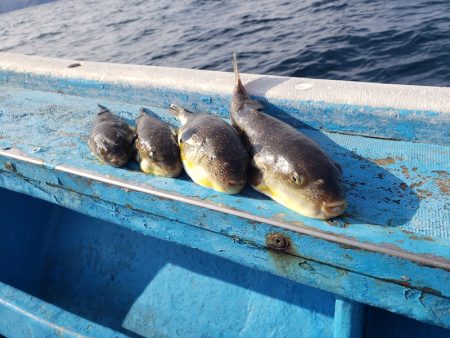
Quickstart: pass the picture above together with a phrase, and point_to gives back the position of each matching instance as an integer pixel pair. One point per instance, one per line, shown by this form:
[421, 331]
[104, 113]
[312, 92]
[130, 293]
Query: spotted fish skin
[157, 150]
[212, 152]
[111, 139]
[285, 164]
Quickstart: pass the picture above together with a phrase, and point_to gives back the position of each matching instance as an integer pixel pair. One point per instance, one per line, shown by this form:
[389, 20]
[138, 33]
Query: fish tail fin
[102, 109]
[179, 112]
[237, 78]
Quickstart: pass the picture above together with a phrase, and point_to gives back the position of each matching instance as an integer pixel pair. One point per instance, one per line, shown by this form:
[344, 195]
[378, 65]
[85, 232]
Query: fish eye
[296, 178]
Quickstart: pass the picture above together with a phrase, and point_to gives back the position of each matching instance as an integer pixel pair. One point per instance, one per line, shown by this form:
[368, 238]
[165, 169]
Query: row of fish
[276, 159]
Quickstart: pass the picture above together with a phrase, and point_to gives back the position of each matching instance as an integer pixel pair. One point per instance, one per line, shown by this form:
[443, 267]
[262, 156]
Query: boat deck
[395, 231]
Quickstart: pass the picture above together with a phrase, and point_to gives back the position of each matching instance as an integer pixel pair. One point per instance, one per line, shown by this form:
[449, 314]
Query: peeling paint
[387, 160]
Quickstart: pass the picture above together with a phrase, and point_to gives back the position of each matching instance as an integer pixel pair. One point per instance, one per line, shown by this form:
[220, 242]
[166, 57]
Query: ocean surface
[386, 41]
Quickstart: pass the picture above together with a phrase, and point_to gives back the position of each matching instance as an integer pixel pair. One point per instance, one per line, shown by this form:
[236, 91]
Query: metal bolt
[278, 241]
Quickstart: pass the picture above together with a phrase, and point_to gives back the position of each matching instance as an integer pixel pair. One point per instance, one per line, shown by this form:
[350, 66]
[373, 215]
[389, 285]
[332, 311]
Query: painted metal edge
[430, 261]
[21, 313]
[418, 304]
[271, 87]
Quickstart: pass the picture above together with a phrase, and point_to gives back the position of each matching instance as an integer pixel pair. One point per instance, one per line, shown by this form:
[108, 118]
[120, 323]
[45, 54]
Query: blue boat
[91, 250]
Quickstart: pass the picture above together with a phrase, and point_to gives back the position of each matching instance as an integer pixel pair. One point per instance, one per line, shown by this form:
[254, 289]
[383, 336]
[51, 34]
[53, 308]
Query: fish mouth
[234, 184]
[333, 209]
[118, 161]
[234, 187]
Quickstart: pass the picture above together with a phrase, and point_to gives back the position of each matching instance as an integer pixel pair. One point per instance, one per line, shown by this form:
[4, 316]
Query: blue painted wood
[136, 285]
[385, 122]
[22, 315]
[390, 250]
[387, 267]
[127, 281]
[402, 299]
[348, 319]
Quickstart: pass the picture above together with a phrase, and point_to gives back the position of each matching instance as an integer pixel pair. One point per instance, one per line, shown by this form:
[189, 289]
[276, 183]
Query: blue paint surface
[349, 319]
[95, 276]
[384, 122]
[397, 193]
[140, 286]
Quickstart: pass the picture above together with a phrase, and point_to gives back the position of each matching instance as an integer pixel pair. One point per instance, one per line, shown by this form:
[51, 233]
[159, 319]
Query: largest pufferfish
[285, 164]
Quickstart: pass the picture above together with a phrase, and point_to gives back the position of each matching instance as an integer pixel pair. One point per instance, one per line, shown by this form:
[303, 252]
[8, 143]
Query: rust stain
[403, 185]
[423, 194]
[414, 169]
[284, 257]
[440, 172]
[424, 238]
[387, 160]
[443, 184]
[278, 241]
[405, 171]
[403, 283]
[417, 184]
[432, 291]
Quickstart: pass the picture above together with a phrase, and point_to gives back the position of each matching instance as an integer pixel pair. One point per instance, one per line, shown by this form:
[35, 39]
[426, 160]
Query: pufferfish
[285, 164]
[111, 139]
[211, 150]
[157, 150]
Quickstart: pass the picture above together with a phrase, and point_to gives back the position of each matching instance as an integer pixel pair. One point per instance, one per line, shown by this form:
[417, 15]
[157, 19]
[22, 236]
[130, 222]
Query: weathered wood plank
[24, 316]
[404, 299]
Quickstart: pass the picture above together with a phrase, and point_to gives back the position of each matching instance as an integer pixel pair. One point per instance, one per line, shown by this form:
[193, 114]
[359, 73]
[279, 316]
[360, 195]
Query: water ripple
[379, 41]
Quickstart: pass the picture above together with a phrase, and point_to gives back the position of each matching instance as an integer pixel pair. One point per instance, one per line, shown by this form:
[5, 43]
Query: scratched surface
[397, 191]
[399, 185]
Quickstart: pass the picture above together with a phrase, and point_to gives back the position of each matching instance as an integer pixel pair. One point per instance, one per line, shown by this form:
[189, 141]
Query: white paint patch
[221, 83]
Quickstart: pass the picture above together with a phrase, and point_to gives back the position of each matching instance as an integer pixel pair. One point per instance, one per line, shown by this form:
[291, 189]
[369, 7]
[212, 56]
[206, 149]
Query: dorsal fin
[237, 77]
[102, 109]
[179, 112]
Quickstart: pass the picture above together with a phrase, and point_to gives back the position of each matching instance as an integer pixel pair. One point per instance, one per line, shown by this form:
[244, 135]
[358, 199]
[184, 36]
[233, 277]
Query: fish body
[212, 152]
[157, 150]
[111, 139]
[285, 164]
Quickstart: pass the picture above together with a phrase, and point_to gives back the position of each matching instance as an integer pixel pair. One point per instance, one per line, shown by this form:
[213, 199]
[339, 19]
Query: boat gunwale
[426, 260]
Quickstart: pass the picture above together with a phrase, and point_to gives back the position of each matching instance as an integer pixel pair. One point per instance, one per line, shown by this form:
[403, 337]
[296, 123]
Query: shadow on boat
[133, 283]
[374, 195]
